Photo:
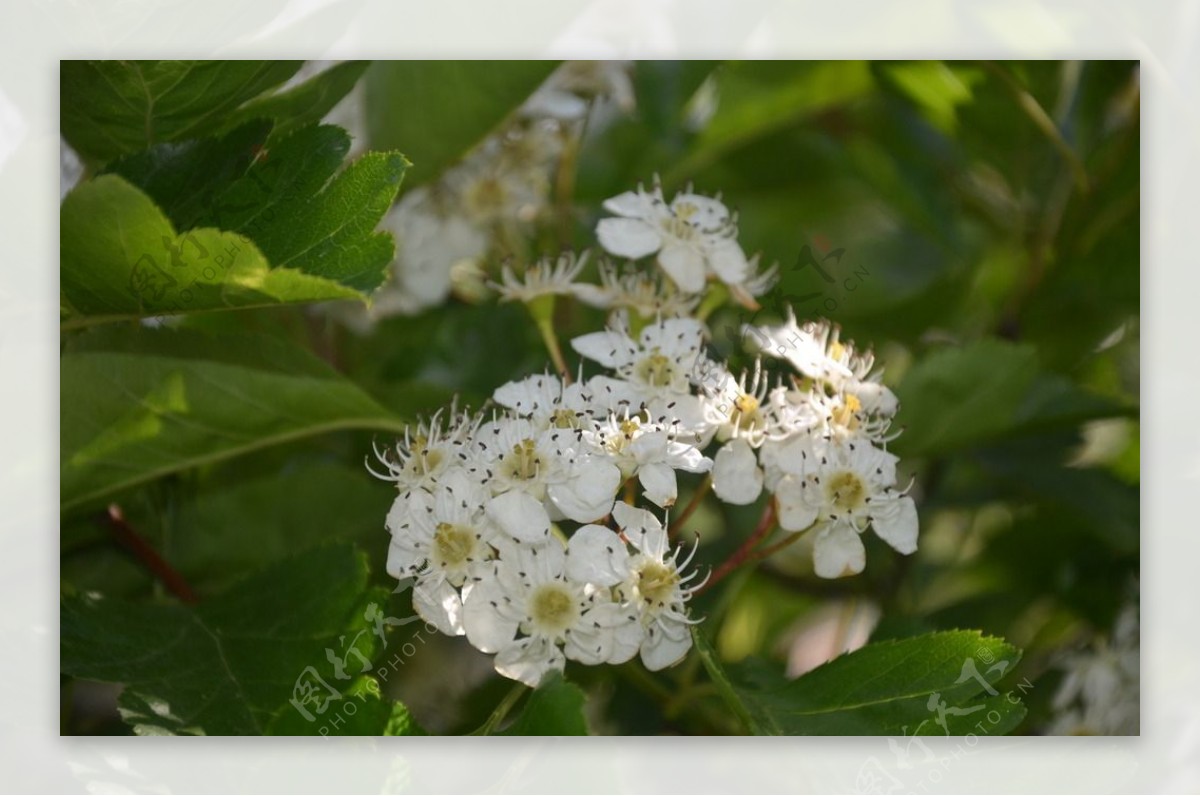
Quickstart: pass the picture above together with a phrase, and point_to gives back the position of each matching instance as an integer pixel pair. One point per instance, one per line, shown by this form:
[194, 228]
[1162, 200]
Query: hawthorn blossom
[839, 489]
[533, 615]
[695, 237]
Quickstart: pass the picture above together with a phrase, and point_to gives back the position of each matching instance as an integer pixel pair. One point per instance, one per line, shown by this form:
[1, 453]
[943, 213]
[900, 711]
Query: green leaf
[231, 665]
[302, 216]
[958, 397]
[111, 108]
[121, 258]
[437, 111]
[899, 687]
[401, 722]
[233, 527]
[306, 103]
[162, 401]
[759, 98]
[554, 708]
[184, 178]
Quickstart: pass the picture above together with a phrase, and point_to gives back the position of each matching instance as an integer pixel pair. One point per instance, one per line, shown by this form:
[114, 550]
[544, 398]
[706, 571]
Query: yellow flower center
[846, 491]
[552, 608]
[656, 370]
[845, 415]
[564, 418]
[523, 462]
[656, 582]
[453, 543]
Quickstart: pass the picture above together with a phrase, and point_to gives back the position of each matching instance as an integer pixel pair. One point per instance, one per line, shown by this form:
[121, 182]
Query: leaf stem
[498, 715]
[132, 541]
[545, 326]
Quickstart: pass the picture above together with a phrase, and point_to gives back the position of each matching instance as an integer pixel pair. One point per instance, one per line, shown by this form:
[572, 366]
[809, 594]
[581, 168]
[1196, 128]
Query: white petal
[628, 237]
[895, 522]
[659, 485]
[684, 265]
[687, 458]
[631, 204]
[597, 555]
[795, 514]
[488, 629]
[628, 636]
[609, 348]
[662, 649]
[838, 552]
[403, 558]
[736, 477]
[591, 640]
[589, 493]
[529, 660]
[439, 604]
[521, 516]
[643, 530]
[728, 261]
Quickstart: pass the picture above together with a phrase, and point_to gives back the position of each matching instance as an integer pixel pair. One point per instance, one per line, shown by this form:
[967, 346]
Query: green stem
[501, 711]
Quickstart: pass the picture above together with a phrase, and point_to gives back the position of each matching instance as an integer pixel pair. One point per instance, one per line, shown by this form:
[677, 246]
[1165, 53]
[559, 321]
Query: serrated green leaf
[161, 401]
[901, 687]
[436, 111]
[183, 178]
[306, 103]
[554, 708]
[111, 108]
[121, 258]
[231, 665]
[302, 216]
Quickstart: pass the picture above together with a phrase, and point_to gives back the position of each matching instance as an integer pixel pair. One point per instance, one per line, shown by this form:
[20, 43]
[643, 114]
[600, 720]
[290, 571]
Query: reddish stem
[765, 524]
[128, 538]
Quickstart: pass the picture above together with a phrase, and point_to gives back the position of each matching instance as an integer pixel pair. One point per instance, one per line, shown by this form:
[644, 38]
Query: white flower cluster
[475, 519]
[521, 528]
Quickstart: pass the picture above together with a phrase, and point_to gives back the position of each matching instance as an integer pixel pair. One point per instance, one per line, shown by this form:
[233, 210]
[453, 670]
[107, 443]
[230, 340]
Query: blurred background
[976, 223]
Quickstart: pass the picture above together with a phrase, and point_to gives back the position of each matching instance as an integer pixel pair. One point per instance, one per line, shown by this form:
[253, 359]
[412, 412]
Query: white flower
[655, 371]
[443, 540]
[533, 615]
[737, 409]
[1100, 693]
[839, 489]
[430, 241]
[547, 401]
[649, 450]
[650, 579]
[737, 478]
[516, 454]
[639, 290]
[429, 454]
[815, 350]
[546, 277]
[695, 236]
